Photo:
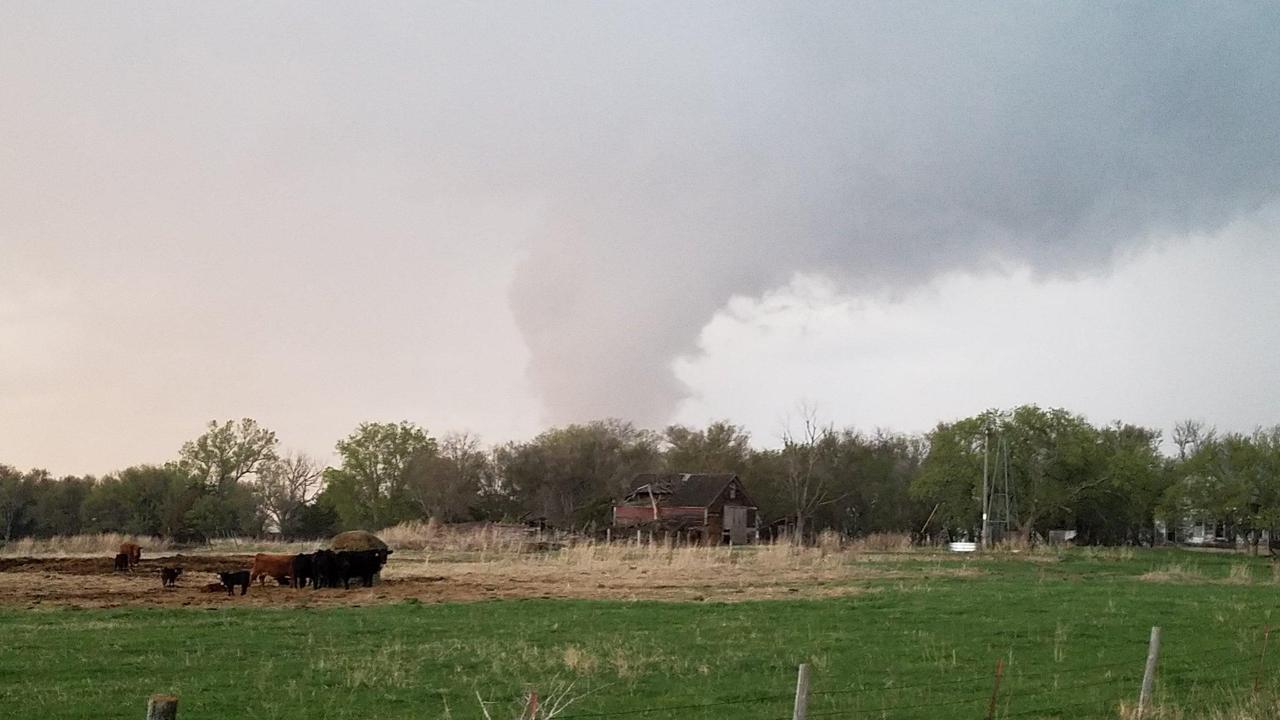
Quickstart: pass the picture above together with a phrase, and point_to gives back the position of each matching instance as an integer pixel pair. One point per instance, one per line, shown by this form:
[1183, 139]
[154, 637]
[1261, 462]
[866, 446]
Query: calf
[122, 562]
[276, 566]
[303, 570]
[133, 550]
[231, 579]
[169, 576]
[213, 587]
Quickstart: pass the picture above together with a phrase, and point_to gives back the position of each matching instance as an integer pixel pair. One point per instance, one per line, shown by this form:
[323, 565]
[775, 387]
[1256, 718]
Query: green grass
[1073, 630]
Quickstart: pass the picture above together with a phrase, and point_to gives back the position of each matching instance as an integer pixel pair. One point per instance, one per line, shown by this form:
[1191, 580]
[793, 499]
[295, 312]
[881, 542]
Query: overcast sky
[502, 216]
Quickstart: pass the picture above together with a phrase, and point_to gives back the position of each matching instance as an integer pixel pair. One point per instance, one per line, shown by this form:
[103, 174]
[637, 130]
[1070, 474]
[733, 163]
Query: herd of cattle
[320, 569]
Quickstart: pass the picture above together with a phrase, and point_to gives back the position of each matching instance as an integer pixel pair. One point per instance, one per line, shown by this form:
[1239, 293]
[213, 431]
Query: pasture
[716, 633]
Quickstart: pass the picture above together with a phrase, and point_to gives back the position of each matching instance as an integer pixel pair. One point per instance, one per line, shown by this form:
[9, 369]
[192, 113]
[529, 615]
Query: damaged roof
[682, 489]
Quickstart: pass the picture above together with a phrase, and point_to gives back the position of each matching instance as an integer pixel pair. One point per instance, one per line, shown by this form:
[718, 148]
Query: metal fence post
[802, 693]
[1149, 675]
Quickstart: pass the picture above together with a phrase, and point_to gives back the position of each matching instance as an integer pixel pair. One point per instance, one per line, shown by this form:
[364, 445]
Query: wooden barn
[702, 507]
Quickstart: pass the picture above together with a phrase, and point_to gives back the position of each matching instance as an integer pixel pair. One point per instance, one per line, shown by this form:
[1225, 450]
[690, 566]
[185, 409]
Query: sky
[499, 217]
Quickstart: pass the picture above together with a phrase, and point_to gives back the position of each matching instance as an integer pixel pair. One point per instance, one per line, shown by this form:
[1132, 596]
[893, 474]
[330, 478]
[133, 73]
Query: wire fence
[1223, 673]
[1232, 673]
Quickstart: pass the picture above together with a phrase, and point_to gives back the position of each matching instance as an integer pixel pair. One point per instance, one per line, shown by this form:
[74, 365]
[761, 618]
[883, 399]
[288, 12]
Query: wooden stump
[162, 707]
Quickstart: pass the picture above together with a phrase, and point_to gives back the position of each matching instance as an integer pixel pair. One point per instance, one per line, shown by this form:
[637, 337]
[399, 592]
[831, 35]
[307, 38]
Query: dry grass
[108, 544]
[1172, 573]
[235, 545]
[487, 560]
[1240, 574]
[385, 668]
[1113, 554]
[669, 571]
[80, 545]
[1230, 706]
[485, 538]
[882, 543]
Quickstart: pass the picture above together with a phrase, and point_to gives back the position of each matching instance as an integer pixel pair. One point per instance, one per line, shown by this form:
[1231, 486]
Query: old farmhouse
[701, 507]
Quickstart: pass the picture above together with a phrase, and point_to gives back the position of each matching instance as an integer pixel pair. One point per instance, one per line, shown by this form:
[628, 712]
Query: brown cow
[279, 567]
[133, 550]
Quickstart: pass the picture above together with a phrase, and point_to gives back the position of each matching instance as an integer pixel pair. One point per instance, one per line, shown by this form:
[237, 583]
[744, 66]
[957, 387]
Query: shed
[708, 507]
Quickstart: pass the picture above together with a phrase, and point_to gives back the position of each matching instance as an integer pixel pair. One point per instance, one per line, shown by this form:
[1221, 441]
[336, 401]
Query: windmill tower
[997, 505]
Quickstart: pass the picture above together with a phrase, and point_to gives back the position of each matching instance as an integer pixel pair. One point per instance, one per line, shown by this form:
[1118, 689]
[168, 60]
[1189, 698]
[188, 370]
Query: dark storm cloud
[880, 143]
[311, 200]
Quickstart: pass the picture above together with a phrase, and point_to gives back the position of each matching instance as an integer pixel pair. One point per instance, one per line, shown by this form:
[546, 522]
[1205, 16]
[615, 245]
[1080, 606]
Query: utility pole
[986, 496]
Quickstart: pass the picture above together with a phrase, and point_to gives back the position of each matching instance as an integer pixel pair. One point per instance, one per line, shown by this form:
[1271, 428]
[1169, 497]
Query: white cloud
[1183, 328]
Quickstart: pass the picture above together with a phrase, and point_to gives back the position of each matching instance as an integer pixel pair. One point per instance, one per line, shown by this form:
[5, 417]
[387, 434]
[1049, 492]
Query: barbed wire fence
[1132, 689]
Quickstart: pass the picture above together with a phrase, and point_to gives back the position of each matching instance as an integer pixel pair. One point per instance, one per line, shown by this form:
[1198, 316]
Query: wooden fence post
[995, 689]
[162, 707]
[1262, 658]
[802, 693]
[1149, 675]
[533, 704]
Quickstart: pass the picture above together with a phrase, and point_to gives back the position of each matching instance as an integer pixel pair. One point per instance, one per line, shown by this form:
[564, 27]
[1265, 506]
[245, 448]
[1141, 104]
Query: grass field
[1073, 628]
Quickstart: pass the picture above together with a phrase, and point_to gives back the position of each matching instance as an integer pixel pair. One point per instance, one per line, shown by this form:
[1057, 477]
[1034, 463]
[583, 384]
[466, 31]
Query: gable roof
[681, 489]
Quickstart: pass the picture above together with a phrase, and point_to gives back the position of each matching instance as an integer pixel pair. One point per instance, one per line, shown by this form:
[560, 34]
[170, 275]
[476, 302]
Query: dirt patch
[106, 565]
[92, 582]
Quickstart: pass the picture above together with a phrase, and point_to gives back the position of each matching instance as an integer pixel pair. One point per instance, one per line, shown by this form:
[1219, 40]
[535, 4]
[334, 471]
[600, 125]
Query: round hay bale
[357, 540]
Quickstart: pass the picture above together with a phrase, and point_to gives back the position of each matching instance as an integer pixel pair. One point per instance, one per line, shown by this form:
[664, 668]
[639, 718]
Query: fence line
[998, 698]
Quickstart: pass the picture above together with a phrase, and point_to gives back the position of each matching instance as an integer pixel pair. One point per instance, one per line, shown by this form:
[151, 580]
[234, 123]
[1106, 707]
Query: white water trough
[963, 546]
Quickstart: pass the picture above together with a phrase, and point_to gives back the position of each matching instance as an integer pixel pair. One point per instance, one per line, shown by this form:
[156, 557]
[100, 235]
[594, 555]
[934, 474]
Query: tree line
[1111, 484]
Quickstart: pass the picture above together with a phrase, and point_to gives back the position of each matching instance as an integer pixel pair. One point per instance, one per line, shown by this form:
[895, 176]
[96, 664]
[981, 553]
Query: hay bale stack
[357, 540]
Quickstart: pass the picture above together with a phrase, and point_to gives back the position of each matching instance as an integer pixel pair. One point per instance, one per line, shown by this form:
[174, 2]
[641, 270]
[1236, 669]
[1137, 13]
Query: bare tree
[806, 481]
[445, 482]
[1190, 436]
[285, 485]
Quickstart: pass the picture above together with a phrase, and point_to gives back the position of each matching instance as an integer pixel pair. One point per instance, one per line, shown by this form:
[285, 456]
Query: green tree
[572, 475]
[1053, 462]
[721, 447]
[1053, 466]
[951, 475]
[227, 453]
[56, 506]
[871, 476]
[317, 519]
[1232, 480]
[143, 500]
[16, 500]
[1123, 507]
[371, 487]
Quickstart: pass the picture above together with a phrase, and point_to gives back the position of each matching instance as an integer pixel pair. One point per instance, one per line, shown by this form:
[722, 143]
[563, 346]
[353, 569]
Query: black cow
[122, 562]
[363, 564]
[231, 579]
[169, 576]
[324, 569]
[303, 570]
